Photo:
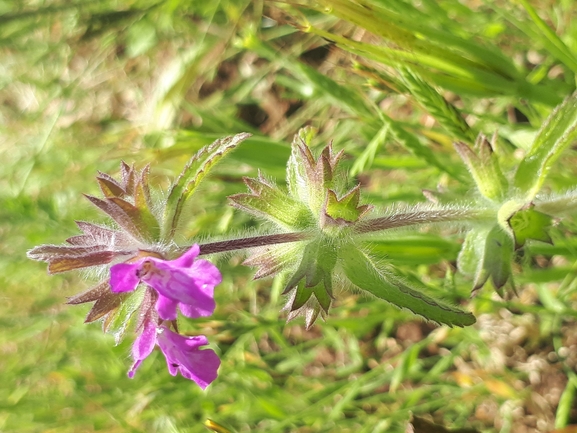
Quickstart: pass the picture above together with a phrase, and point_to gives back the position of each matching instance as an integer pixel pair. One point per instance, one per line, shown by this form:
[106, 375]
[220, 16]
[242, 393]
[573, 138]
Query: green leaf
[310, 178]
[546, 36]
[414, 249]
[318, 261]
[392, 287]
[557, 205]
[190, 178]
[366, 158]
[558, 132]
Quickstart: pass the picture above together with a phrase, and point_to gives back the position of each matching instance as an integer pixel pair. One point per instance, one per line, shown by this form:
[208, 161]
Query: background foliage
[87, 84]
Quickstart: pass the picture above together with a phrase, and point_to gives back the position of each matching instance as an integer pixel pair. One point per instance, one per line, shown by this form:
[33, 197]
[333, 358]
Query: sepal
[344, 211]
[128, 202]
[267, 201]
[483, 164]
[311, 285]
[308, 303]
[495, 261]
[273, 259]
[63, 258]
[528, 223]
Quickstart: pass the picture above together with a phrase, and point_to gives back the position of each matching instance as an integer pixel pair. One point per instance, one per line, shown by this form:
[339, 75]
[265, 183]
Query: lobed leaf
[472, 250]
[128, 176]
[143, 204]
[295, 169]
[49, 252]
[95, 234]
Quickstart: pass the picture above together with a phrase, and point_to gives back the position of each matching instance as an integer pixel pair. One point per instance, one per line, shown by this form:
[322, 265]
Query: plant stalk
[421, 217]
[256, 241]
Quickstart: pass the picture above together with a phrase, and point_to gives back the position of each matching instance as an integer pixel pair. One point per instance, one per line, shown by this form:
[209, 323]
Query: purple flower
[181, 353]
[183, 282]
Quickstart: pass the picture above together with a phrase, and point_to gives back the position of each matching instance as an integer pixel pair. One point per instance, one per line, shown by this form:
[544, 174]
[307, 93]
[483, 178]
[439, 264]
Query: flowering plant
[320, 241]
[140, 252]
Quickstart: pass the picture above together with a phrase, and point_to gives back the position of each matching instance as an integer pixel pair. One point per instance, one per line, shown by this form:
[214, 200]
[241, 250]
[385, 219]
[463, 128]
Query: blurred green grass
[86, 85]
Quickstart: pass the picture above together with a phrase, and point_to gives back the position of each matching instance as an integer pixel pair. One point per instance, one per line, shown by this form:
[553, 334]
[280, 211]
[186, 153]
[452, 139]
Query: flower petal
[192, 285]
[206, 273]
[200, 309]
[143, 346]
[166, 307]
[183, 354]
[124, 277]
[187, 259]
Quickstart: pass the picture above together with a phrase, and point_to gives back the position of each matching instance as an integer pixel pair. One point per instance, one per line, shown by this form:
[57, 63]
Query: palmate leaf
[192, 175]
[389, 286]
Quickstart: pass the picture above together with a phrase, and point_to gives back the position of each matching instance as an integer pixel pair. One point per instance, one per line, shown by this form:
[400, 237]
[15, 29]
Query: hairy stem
[256, 241]
[421, 217]
[372, 225]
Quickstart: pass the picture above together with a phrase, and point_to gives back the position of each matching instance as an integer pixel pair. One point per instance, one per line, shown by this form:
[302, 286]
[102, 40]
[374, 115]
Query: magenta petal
[187, 259]
[183, 354]
[206, 273]
[166, 308]
[182, 281]
[123, 277]
[143, 346]
[187, 285]
[200, 309]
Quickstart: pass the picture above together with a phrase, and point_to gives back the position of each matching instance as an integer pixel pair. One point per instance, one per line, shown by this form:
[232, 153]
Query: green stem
[373, 225]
